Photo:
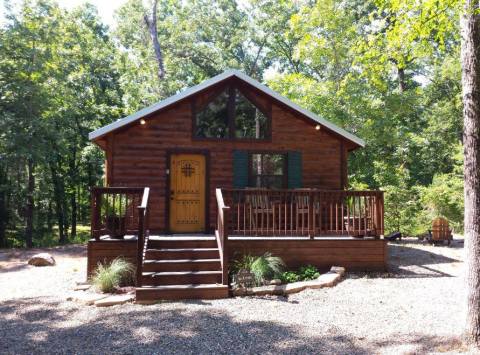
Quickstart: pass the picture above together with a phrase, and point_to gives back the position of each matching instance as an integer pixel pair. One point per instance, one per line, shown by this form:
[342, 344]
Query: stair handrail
[221, 233]
[143, 234]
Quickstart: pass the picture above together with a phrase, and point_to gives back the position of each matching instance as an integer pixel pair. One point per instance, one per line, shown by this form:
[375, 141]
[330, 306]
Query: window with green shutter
[294, 170]
[240, 169]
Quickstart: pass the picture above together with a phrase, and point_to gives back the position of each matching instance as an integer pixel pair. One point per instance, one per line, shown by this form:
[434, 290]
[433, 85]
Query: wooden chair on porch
[262, 211]
[303, 205]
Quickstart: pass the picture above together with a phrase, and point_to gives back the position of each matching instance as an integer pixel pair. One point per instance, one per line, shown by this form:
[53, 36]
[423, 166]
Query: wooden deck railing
[118, 211]
[221, 234]
[304, 212]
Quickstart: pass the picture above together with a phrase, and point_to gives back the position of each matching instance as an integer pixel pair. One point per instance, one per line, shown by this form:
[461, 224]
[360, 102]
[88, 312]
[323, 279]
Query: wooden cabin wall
[137, 155]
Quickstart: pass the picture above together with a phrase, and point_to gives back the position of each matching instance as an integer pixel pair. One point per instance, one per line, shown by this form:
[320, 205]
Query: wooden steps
[177, 292]
[182, 253]
[181, 268]
[181, 265]
[182, 277]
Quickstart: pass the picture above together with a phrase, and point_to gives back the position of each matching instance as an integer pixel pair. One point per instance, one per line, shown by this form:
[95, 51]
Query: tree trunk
[59, 206]
[152, 29]
[73, 206]
[73, 197]
[30, 203]
[3, 207]
[470, 56]
[401, 79]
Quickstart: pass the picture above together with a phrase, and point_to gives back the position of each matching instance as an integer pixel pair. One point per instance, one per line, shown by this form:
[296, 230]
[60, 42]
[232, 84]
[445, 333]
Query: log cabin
[225, 168]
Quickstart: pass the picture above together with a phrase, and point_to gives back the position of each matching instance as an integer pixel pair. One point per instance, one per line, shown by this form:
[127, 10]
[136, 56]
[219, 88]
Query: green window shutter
[240, 169]
[294, 170]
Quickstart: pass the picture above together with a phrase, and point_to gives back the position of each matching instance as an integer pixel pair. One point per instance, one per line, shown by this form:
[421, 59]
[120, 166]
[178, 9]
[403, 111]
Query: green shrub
[289, 277]
[308, 272]
[266, 267]
[305, 273]
[244, 263]
[263, 267]
[110, 276]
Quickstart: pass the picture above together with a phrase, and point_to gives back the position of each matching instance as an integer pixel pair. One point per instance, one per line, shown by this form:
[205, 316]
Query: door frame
[206, 154]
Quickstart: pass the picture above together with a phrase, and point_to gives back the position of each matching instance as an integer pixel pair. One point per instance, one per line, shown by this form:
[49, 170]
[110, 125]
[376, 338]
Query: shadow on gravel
[43, 326]
[406, 261]
[38, 326]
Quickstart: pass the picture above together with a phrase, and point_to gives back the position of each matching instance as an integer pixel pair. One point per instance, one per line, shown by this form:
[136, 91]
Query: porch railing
[122, 211]
[221, 233]
[304, 212]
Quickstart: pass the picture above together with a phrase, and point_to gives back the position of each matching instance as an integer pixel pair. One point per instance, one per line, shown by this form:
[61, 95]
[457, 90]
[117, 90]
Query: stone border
[328, 279]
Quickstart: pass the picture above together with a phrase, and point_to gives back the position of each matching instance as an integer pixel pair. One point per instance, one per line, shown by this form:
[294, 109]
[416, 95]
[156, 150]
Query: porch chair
[302, 202]
[440, 232]
[261, 209]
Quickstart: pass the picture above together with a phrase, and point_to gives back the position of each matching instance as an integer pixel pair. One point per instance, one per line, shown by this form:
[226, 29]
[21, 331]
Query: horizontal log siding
[140, 154]
[105, 251]
[360, 255]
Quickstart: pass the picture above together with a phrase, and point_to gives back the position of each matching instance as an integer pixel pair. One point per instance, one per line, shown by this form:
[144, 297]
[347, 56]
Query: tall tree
[470, 24]
[151, 22]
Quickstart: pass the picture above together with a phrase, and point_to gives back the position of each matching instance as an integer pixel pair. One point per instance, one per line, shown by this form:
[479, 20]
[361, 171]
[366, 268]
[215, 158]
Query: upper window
[268, 170]
[231, 115]
[212, 121]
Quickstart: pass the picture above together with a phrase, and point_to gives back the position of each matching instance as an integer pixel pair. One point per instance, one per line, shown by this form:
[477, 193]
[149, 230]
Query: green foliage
[244, 262]
[386, 70]
[289, 277]
[110, 276]
[308, 272]
[305, 273]
[264, 267]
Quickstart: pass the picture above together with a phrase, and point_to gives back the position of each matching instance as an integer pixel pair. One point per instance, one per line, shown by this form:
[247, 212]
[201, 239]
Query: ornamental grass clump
[110, 276]
[263, 268]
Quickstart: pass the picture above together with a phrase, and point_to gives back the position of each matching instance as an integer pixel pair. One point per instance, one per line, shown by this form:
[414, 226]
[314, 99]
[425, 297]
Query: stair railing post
[140, 244]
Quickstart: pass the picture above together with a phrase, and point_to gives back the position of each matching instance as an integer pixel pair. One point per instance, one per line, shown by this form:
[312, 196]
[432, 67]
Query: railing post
[311, 223]
[96, 206]
[140, 244]
[225, 233]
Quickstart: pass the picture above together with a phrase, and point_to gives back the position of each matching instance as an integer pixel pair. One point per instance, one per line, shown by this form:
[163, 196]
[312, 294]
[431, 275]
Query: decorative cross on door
[188, 170]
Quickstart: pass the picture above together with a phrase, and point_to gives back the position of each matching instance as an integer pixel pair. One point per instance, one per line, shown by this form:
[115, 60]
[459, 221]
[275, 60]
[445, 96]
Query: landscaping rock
[338, 270]
[114, 300]
[87, 298]
[268, 290]
[81, 287]
[276, 282]
[328, 279]
[295, 287]
[42, 259]
[78, 283]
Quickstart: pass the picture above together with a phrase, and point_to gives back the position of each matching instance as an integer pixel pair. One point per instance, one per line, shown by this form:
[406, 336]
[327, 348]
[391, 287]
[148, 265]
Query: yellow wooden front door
[187, 193]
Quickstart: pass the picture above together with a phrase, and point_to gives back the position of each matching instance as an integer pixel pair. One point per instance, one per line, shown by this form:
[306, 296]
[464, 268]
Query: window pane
[268, 170]
[250, 122]
[212, 121]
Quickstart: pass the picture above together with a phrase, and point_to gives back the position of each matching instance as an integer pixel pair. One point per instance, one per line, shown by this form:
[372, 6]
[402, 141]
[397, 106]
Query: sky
[105, 7]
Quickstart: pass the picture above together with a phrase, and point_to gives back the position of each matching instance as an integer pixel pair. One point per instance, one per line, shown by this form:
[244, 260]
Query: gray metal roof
[216, 79]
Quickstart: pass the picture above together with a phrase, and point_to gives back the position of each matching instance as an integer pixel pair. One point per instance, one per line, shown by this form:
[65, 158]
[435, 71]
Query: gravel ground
[413, 309]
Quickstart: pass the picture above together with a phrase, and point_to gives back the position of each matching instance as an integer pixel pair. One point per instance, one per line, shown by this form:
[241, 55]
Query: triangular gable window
[230, 114]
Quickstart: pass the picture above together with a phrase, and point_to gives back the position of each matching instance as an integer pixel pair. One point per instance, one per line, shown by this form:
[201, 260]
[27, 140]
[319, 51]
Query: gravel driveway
[416, 308]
